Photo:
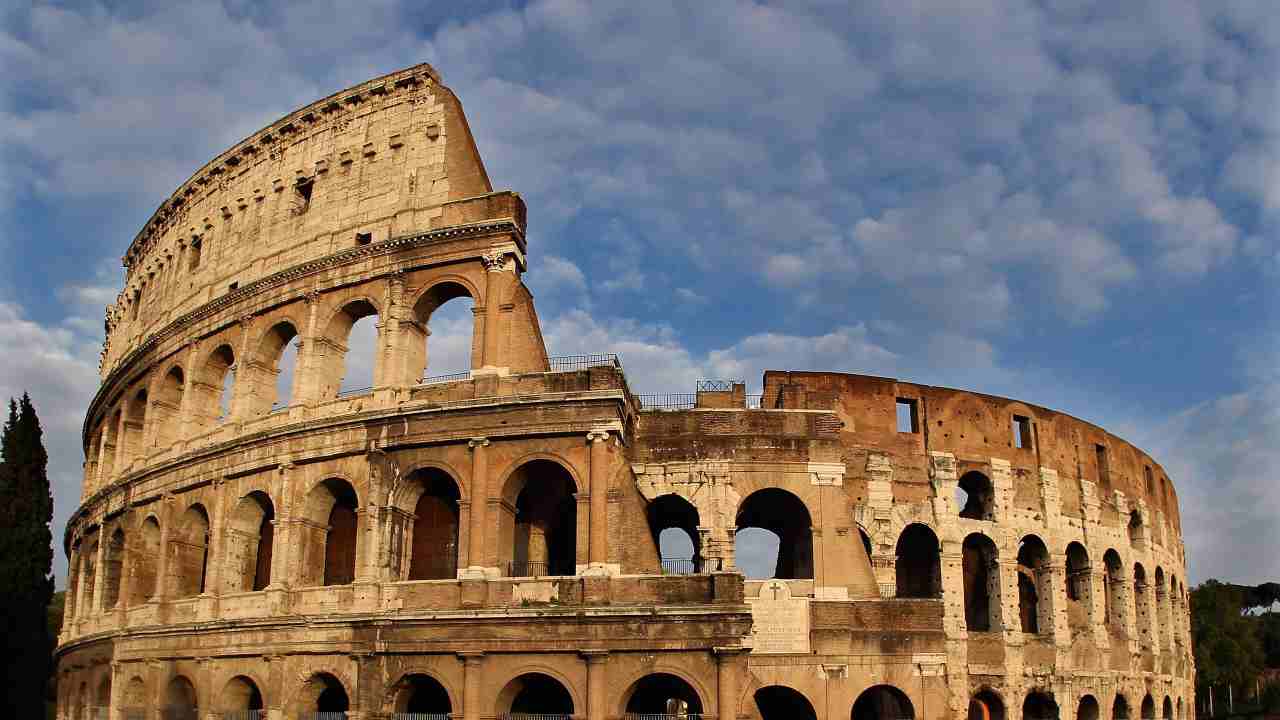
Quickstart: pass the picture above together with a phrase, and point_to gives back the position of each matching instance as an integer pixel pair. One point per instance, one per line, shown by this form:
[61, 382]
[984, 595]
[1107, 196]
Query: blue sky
[1070, 202]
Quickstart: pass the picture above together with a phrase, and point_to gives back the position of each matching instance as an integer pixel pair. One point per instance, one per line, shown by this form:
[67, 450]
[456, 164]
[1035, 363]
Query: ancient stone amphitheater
[262, 541]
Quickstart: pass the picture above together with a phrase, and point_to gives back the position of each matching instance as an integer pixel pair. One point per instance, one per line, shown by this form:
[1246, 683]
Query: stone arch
[102, 698]
[421, 692]
[779, 702]
[240, 693]
[144, 558]
[448, 290]
[1140, 613]
[1181, 714]
[980, 565]
[536, 692]
[113, 569]
[1088, 708]
[331, 533]
[337, 377]
[269, 366]
[1167, 709]
[189, 557]
[1162, 601]
[134, 426]
[135, 696]
[88, 572]
[1136, 527]
[785, 515]
[214, 388]
[180, 699]
[92, 454]
[1079, 586]
[672, 515]
[321, 692]
[250, 543]
[986, 704]
[978, 494]
[166, 406]
[1039, 705]
[1148, 711]
[918, 563]
[538, 519]
[882, 702]
[1114, 601]
[429, 525]
[1034, 610]
[662, 693]
[107, 464]
[1120, 708]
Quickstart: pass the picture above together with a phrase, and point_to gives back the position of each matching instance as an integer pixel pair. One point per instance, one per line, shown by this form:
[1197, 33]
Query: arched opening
[986, 705]
[166, 407]
[273, 370]
[539, 520]
[144, 558]
[442, 342]
[351, 350]
[1140, 615]
[323, 693]
[866, 542]
[421, 695]
[88, 574]
[190, 556]
[883, 702]
[330, 558]
[107, 464]
[113, 571]
[1148, 708]
[981, 583]
[1088, 709]
[1039, 706]
[214, 388]
[250, 543]
[135, 421]
[1079, 586]
[1135, 527]
[1162, 607]
[673, 523]
[1033, 581]
[776, 702]
[83, 701]
[180, 700]
[918, 567]
[134, 701]
[535, 694]
[976, 497]
[1181, 714]
[434, 534]
[1113, 607]
[241, 693]
[1168, 705]
[92, 454]
[103, 698]
[662, 694]
[786, 518]
[1120, 708]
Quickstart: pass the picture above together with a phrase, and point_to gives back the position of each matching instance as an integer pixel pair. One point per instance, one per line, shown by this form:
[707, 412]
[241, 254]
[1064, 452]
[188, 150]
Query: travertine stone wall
[487, 542]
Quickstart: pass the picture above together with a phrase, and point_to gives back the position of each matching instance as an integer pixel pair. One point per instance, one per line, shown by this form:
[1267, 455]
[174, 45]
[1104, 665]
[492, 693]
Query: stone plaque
[780, 623]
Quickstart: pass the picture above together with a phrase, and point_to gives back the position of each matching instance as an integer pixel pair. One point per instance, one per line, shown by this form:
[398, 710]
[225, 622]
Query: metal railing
[421, 716]
[662, 716]
[354, 391]
[244, 715]
[179, 712]
[446, 378]
[716, 385]
[526, 568]
[534, 716]
[754, 402]
[680, 566]
[562, 363]
[668, 401]
[341, 715]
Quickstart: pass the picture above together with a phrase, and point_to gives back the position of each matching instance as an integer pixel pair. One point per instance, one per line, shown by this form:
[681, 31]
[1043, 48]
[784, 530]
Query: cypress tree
[26, 560]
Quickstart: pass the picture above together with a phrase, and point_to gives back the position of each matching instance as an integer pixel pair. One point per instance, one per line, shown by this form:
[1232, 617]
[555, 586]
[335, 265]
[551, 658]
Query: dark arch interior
[782, 703]
[544, 536]
[986, 705]
[537, 693]
[333, 698]
[340, 542]
[918, 568]
[423, 694]
[674, 512]
[435, 528]
[1120, 708]
[1039, 706]
[1148, 708]
[663, 694]
[981, 582]
[979, 496]
[1088, 709]
[1033, 558]
[786, 516]
[883, 702]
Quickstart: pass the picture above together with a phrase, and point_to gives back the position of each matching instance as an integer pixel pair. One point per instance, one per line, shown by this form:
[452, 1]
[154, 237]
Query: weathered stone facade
[487, 543]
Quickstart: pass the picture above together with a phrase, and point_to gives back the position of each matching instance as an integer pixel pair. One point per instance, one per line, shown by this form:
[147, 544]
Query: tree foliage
[26, 560]
[1228, 647]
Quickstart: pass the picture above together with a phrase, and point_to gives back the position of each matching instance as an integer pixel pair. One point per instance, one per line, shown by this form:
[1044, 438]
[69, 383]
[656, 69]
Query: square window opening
[1104, 470]
[364, 238]
[908, 415]
[1022, 432]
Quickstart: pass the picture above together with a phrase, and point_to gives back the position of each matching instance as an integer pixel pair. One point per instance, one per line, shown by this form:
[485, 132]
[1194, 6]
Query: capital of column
[598, 435]
[594, 657]
[478, 442]
[495, 261]
[471, 657]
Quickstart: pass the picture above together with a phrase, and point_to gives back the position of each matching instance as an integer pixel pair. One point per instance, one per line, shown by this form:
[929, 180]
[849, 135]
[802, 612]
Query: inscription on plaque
[780, 623]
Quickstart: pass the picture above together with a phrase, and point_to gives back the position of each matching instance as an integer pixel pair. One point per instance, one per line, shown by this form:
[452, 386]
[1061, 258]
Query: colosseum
[260, 538]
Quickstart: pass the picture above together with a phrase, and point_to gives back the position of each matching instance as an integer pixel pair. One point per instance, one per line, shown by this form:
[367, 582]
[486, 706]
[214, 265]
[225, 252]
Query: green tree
[1226, 642]
[26, 561]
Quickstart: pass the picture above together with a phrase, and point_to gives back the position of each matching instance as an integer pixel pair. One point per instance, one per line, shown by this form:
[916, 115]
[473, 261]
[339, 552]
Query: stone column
[598, 484]
[162, 569]
[100, 571]
[596, 683]
[472, 666]
[476, 521]
[495, 282]
[728, 671]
